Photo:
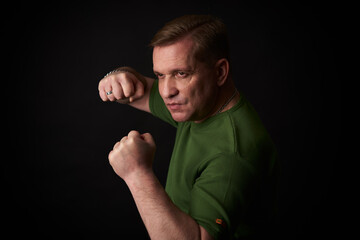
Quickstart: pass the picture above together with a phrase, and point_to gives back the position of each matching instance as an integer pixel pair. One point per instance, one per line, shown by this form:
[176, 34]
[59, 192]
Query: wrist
[138, 179]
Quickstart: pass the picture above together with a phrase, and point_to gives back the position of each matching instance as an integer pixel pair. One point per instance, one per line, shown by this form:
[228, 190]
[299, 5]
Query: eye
[159, 75]
[181, 74]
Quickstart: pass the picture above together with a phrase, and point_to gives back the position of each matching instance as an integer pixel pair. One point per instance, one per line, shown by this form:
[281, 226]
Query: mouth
[174, 106]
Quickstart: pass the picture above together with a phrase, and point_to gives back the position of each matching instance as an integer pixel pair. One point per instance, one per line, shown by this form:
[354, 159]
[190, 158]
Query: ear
[222, 71]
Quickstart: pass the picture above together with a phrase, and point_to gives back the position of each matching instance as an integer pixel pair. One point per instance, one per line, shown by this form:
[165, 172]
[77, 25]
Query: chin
[180, 117]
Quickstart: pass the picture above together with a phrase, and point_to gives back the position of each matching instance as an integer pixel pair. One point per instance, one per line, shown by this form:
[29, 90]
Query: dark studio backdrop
[56, 180]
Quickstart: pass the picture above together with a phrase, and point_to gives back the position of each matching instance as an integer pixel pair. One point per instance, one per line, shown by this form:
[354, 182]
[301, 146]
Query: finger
[110, 155]
[128, 86]
[103, 95]
[108, 92]
[124, 139]
[116, 145]
[102, 91]
[139, 91]
[117, 90]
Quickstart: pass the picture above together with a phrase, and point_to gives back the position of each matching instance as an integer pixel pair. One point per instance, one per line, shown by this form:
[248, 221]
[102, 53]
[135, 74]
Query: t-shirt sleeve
[218, 194]
[158, 107]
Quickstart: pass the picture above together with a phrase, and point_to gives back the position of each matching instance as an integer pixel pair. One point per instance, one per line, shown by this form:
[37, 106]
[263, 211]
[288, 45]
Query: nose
[167, 87]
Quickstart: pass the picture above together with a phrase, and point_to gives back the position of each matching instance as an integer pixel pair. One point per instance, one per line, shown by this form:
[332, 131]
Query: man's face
[187, 86]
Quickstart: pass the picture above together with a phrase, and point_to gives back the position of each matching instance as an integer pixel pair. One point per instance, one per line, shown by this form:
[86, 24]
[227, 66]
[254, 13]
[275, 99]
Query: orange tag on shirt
[220, 222]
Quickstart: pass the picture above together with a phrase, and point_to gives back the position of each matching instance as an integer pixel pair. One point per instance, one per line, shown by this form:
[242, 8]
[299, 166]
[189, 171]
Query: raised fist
[133, 154]
[124, 85]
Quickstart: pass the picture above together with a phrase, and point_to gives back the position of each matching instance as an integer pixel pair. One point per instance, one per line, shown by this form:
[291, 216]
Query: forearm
[161, 217]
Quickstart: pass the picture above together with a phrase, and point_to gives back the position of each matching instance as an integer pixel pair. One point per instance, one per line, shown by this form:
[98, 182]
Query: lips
[174, 106]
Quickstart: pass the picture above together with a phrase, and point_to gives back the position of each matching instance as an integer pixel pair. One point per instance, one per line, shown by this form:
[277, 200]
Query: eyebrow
[177, 70]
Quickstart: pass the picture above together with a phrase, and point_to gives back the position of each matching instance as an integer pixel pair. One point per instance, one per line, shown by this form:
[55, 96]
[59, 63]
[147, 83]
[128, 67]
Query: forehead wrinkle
[172, 57]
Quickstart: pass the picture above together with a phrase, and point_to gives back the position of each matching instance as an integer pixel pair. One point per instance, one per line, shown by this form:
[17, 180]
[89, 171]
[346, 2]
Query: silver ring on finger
[109, 92]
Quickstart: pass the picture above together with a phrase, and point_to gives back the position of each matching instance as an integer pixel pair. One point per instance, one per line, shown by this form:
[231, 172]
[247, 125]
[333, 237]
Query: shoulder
[249, 131]
[225, 164]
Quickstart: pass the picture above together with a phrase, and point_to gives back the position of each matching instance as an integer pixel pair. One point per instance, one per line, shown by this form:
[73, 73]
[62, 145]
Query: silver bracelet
[113, 71]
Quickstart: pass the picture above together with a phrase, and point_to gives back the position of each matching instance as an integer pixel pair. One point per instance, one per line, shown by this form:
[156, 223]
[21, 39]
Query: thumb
[139, 91]
[148, 138]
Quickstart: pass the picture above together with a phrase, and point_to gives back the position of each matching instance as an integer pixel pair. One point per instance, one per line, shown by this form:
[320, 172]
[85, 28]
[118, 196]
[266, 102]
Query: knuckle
[133, 132]
[102, 84]
[123, 139]
[105, 80]
[110, 157]
[111, 80]
[125, 79]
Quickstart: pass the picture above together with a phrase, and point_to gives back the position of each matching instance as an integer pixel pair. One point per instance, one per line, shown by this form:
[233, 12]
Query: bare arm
[161, 217]
[132, 159]
[126, 86]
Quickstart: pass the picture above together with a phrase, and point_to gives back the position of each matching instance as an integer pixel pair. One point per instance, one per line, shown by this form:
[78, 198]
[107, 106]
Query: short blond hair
[209, 34]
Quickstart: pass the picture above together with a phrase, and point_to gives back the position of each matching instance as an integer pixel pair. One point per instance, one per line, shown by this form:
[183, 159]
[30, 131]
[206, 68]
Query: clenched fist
[123, 85]
[133, 154]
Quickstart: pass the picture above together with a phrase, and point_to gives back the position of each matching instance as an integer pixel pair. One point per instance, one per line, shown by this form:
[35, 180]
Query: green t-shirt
[221, 169]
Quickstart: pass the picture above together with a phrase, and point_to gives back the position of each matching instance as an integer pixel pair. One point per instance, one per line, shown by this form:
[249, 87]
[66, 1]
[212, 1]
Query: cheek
[199, 91]
[200, 96]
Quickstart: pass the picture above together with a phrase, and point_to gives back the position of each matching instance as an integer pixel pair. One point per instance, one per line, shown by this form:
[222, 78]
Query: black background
[56, 180]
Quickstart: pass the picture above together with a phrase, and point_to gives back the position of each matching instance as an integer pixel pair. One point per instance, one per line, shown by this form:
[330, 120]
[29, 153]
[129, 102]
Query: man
[223, 159]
